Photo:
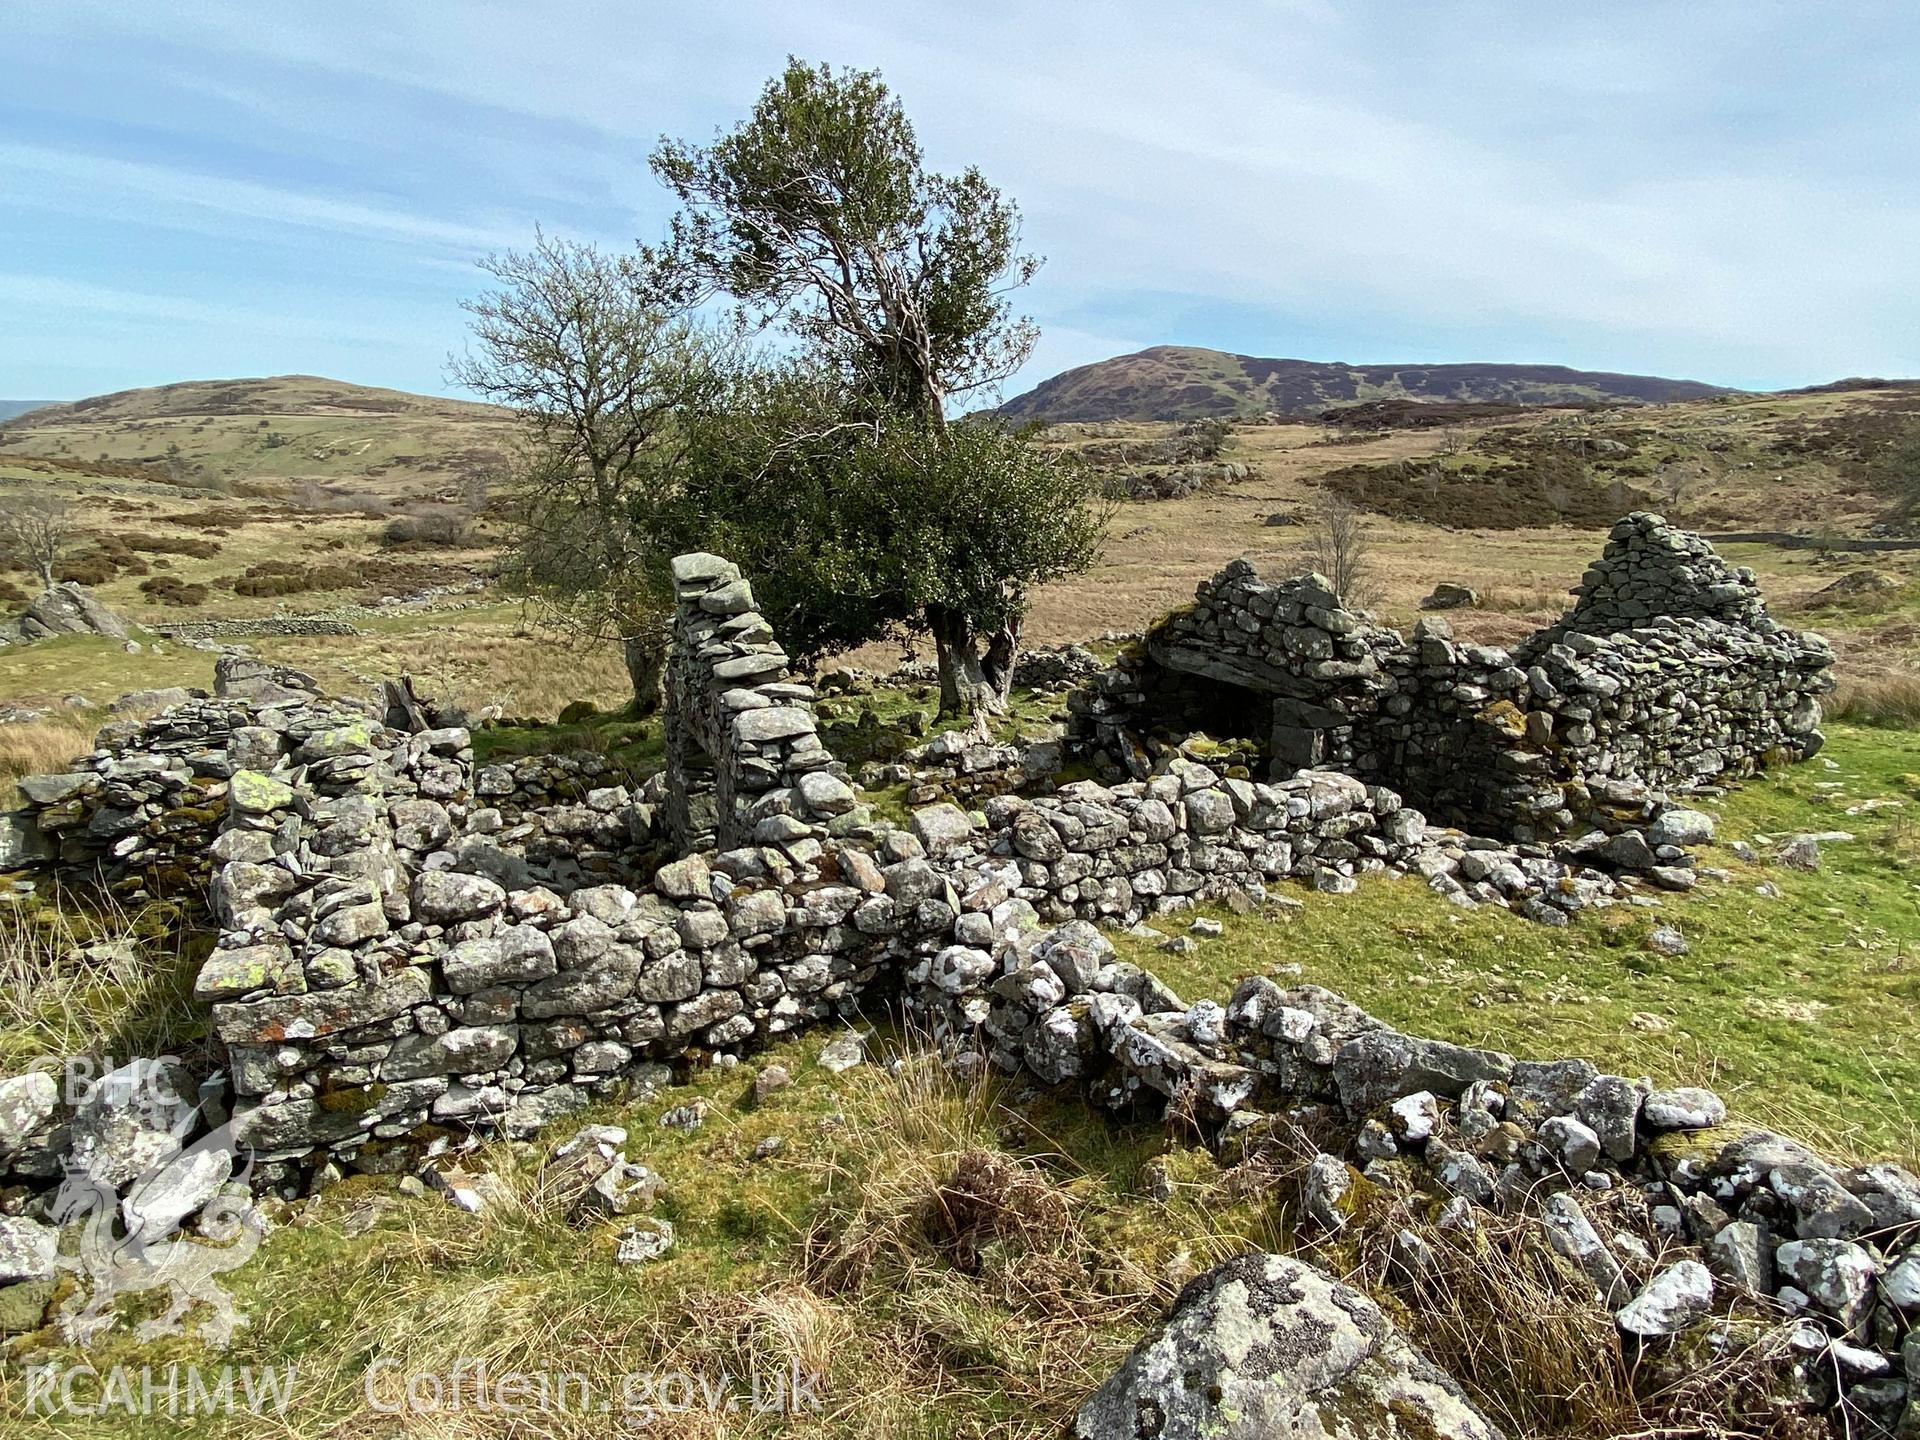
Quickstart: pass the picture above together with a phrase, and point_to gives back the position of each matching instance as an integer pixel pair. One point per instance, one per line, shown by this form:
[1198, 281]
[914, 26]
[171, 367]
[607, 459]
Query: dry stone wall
[395, 949]
[239, 629]
[1665, 674]
[399, 953]
[744, 760]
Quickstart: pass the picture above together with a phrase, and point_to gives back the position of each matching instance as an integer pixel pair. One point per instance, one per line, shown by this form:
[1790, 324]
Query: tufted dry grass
[42, 747]
[1877, 699]
[82, 974]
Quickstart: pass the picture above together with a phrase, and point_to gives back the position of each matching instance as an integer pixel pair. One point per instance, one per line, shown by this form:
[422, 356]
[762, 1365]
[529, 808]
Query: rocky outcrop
[64, 610]
[1449, 595]
[1267, 1346]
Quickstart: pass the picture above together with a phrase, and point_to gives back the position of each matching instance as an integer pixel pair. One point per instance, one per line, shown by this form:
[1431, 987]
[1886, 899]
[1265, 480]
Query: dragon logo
[134, 1245]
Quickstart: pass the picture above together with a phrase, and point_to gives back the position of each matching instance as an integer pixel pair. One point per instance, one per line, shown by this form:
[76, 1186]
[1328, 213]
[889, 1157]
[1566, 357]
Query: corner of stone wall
[744, 760]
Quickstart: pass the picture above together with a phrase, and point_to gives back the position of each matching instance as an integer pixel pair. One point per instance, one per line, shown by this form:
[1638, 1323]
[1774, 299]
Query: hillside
[283, 429]
[11, 408]
[1180, 382]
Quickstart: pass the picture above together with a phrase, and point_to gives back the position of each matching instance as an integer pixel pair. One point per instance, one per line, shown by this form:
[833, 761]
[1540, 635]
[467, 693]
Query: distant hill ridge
[11, 408]
[278, 431]
[268, 395]
[1182, 382]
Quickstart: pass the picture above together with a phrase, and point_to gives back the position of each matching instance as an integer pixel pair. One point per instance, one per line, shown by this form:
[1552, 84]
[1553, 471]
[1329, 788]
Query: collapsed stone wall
[386, 967]
[396, 924]
[391, 960]
[1666, 673]
[395, 951]
[382, 966]
[1651, 569]
[1682, 1224]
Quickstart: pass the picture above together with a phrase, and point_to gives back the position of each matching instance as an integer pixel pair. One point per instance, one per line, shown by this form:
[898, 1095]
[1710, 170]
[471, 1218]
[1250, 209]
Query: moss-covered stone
[23, 1307]
[351, 1099]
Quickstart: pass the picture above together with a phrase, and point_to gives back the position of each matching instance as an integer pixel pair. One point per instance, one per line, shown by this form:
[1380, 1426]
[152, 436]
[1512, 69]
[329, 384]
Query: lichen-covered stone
[1265, 1345]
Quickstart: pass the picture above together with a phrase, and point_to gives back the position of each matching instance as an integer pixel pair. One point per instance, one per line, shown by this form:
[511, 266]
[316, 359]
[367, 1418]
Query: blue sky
[1722, 191]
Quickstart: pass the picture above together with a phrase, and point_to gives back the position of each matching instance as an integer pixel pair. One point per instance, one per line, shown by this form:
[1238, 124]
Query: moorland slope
[280, 428]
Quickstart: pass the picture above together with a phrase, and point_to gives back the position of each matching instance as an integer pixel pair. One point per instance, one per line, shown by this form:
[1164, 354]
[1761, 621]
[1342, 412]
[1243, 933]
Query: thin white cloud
[74, 302]
[105, 183]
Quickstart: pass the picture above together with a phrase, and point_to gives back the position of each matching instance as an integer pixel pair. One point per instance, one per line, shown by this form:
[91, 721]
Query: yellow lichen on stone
[1506, 717]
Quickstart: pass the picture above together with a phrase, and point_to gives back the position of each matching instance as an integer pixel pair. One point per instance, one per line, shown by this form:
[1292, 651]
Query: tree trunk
[645, 654]
[46, 576]
[997, 665]
[967, 685]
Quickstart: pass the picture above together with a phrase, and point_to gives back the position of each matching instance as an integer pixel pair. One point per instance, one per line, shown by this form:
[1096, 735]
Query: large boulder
[64, 610]
[1267, 1346]
[1448, 595]
[22, 845]
[1383, 1065]
[241, 677]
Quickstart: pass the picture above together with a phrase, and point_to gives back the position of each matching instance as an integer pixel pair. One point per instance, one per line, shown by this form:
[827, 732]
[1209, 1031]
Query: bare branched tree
[601, 373]
[36, 531]
[1676, 483]
[1339, 547]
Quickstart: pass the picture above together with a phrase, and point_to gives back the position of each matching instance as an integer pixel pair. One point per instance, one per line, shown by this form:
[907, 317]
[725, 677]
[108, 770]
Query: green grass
[1797, 1007]
[637, 744]
[98, 668]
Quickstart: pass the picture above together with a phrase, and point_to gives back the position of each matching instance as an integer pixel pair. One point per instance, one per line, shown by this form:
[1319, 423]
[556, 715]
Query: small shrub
[213, 518]
[172, 545]
[288, 577]
[172, 590]
[113, 550]
[443, 526]
[89, 569]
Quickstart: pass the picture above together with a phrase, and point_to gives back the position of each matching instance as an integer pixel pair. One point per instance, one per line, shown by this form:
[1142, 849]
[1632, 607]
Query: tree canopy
[826, 464]
[817, 212]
